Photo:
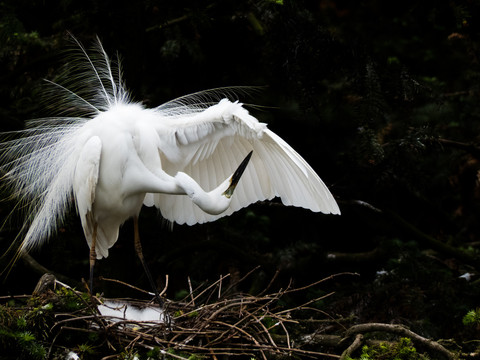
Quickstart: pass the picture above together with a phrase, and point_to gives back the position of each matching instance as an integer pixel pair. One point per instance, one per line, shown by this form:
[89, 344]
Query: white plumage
[110, 156]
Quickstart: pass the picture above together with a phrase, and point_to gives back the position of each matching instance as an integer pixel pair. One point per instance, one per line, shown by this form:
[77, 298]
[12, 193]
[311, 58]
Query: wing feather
[85, 183]
[214, 142]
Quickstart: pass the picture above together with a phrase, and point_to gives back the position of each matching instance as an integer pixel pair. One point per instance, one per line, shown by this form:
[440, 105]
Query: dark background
[381, 98]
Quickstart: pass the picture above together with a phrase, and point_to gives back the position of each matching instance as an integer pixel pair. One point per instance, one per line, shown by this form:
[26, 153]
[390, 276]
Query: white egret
[109, 156]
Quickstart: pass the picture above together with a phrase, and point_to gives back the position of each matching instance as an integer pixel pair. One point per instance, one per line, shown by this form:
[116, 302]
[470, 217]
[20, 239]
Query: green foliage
[17, 335]
[71, 300]
[155, 353]
[175, 354]
[130, 354]
[472, 318]
[85, 349]
[25, 327]
[401, 350]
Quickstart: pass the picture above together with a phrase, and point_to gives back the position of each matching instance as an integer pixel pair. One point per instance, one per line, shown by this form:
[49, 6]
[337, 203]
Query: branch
[470, 148]
[422, 237]
[33, 264]
[434, 243]
[354, 346]
[402, 331]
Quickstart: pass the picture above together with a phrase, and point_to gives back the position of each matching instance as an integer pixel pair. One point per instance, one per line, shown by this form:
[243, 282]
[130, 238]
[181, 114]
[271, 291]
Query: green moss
[401, 350]
[472, 318]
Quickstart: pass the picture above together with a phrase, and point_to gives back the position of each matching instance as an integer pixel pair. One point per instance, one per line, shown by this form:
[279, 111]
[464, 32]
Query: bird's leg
[138, 249]
[93, 255]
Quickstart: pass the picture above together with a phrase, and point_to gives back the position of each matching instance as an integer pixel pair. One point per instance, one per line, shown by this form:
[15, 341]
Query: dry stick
[251, 314]
[208, 288]
[241, 279]
[270, 283]
[432, 242]
[281, 319]
[300, 307]
[259, 321]
[132, 343]
[403, 331]
[40, 269]
[304, 305]
[217, 284]
[281, 349]
[13, 297]
[270, 301]
[212, 316]
[165, 287]
[305, 352]
[249, 336]
[87, 317]
[353, 346]
[241, 320]
[206, 322]
[229, 304]
[220, 288]
[240, 309]
[319, 282]
[125, 284]
[286, 333]
[231, 351]
[191, 291]
[121, 321]
[109, 357]
[137, 288]
[468, 147]
[79, 329]
[51, 345]
[187, 347]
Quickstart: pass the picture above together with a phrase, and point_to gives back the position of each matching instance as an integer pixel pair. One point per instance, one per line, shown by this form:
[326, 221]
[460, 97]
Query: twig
[13, 297]
[403, 331]
[320, 281]
[468, 147]
[242, 279]
[208, 288]
[270, 283]
[434, 243]
[353, 346]
[249, 336]
[191, 291]
[40, 269]
[165, 287]
[125, 284]
[265, 330]
[304, 305]
[286, 333]
[167, 23]
[219, 288]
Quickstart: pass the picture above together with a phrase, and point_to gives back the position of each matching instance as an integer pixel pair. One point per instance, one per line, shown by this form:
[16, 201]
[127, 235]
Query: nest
[58, 322]
[211, 322]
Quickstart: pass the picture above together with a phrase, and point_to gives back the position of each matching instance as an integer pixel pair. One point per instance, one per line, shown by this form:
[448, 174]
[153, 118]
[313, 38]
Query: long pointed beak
[237, 175]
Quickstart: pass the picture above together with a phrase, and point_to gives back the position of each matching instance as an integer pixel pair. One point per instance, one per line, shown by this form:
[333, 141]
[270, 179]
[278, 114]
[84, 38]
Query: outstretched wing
[208, 145]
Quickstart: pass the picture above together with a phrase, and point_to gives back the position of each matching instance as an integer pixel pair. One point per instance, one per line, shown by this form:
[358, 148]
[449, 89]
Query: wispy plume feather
[38, 163]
